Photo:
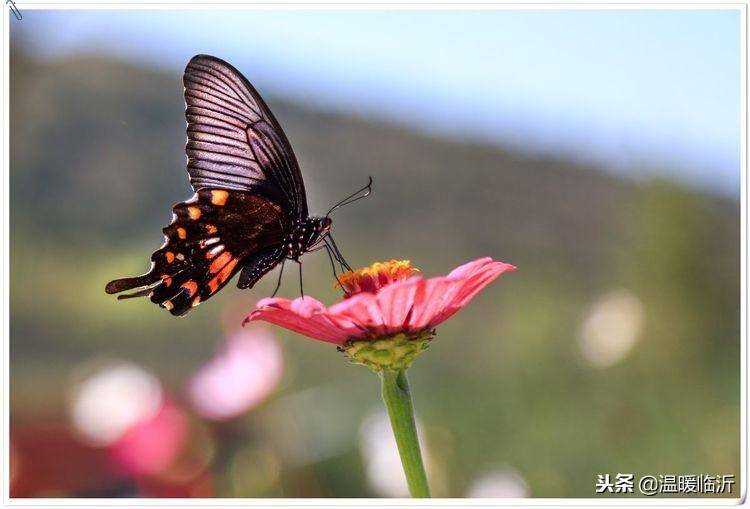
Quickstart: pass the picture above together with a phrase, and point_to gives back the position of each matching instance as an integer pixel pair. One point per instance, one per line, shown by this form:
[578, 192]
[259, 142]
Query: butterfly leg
[330, 258]
[333, 268]
[339, 256]
[278, 283]
[301, 289]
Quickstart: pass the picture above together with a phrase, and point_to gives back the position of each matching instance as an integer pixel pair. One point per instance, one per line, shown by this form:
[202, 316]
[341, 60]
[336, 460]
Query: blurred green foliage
[97, 159]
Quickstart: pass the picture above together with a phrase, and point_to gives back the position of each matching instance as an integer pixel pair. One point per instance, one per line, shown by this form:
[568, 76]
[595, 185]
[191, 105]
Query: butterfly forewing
[234, 141]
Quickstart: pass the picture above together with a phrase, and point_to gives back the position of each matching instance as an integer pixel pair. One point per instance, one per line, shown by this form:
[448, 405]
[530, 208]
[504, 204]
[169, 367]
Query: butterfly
[249, 211]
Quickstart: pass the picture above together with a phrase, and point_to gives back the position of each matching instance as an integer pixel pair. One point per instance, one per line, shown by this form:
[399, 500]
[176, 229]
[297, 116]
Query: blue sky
[635, 91]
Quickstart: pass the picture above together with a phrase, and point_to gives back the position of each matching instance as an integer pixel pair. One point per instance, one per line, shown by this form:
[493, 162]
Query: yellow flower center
[379, 274]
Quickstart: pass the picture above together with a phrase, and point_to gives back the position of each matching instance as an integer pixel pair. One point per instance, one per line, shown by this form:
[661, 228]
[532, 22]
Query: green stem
[397, 400]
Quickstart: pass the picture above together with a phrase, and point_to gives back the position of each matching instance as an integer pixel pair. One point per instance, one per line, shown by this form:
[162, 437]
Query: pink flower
[385, 300]
[151, 446]
[239, 377]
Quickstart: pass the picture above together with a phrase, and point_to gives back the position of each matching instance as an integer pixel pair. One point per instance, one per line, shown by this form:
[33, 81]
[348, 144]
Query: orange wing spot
[227, 271]
[196, 301]
[167, 280]
[220, 261]
[194, 213]
[181, 233]
[213, 285]
[167, 304]
[170, 256]
[219, 197]
[191, 287]
[223, 275]
[211, 228]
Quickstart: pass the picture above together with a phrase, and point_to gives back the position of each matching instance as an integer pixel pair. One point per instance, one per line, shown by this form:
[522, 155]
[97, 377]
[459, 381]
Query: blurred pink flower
[152, 445]
[239, 377]
[384, 300]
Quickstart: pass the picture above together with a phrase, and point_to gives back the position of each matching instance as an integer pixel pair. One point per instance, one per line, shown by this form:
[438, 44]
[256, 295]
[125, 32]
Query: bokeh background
[596, 150]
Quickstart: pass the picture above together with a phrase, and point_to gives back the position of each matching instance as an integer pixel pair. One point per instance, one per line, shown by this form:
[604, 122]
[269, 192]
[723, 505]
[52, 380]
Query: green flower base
[392, 353]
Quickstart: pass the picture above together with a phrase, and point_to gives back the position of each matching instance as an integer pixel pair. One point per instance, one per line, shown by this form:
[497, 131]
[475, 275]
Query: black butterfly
[249, 210]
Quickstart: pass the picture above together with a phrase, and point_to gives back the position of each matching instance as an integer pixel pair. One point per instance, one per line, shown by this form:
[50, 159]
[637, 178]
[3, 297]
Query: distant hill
[99, 143]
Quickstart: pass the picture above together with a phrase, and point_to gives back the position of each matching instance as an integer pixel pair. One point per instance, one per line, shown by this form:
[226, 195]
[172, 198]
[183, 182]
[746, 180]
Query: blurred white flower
[239, 377]
[383, 468]
[506, 483]
[108, 402]
[611, 328]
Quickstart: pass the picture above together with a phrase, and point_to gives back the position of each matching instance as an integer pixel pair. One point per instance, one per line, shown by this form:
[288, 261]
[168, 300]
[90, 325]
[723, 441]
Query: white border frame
[369, 502]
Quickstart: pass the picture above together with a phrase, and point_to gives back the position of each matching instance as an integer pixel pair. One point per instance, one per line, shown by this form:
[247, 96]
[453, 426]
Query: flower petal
[475, 279]
[272, 302]
[431, 298]
[405, 306]
[304, 316]
[476, 282]
[468, 269]
[362, 310]
[307, 306]
[396, 301]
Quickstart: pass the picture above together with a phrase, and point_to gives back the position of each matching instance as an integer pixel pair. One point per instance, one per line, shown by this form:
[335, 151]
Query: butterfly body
[305, 236]
[249, 210]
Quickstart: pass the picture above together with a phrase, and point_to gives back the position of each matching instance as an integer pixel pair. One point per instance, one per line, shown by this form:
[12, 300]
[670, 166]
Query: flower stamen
[379, 274]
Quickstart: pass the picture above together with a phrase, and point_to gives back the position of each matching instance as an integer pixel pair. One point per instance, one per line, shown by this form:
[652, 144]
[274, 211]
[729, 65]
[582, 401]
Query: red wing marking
[220, 262]
[223, 274]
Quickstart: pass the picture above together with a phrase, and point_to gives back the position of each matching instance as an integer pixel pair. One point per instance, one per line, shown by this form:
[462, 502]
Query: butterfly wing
[211, 237]
[234, 141]
[258, 264]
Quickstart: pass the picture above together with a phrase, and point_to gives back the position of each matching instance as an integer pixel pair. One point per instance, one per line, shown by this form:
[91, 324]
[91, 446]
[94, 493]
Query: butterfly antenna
[357, 195]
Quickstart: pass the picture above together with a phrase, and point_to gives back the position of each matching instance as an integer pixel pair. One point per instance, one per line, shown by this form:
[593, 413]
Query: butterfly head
[324, 223]
[312, 231]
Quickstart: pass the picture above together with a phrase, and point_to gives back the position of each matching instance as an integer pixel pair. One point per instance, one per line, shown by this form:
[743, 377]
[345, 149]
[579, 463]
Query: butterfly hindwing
[211, 237]
[258, 265]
